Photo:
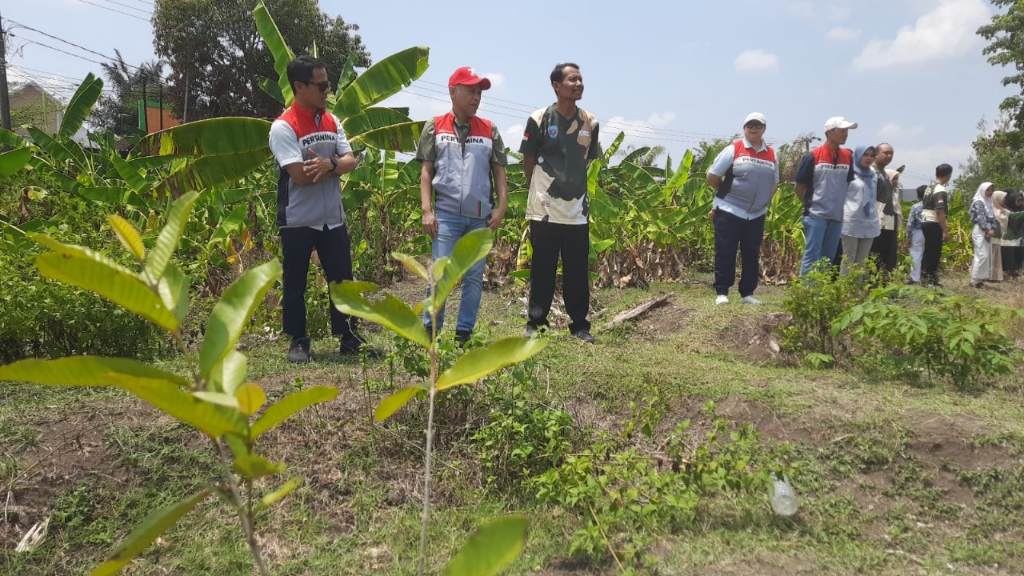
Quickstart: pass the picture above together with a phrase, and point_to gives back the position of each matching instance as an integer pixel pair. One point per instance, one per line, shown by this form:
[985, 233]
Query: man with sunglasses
[311, 149]
[744, 175]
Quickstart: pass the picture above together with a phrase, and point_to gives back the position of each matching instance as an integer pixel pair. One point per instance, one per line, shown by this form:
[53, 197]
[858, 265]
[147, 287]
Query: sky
[910, 72]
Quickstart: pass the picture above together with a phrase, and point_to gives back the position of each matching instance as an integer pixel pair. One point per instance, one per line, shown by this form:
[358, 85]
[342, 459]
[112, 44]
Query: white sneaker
[750, 300]
[721, 299]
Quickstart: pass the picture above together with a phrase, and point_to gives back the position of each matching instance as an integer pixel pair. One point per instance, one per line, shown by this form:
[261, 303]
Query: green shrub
[522, 437]
[627, 495]
[814, 301]
[914, 331]
[42, 318]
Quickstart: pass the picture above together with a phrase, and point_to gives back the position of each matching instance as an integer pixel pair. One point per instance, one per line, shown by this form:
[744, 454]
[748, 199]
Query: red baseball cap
[468, 77]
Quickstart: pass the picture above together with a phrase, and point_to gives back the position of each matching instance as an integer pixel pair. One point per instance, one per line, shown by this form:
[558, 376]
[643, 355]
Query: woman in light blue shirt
[860, 212]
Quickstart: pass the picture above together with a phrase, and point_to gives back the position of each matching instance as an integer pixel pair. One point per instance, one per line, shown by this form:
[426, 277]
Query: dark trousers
[1013, 260]
[732, 232]
[334, 251]
[572, 243]
[885, 248]
[932, 251]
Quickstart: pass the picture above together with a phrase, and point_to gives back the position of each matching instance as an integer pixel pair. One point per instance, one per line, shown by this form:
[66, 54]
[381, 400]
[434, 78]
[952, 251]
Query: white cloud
[945, 32]
[756, 61]
[894, 131]
[843, 34]
[661, 119]
[513, 135]
[640, 132]
[497, 79]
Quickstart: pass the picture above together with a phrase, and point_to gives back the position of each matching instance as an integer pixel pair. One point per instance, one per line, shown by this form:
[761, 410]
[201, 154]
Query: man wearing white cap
[745, 175]
[462, 155]
[822, 181]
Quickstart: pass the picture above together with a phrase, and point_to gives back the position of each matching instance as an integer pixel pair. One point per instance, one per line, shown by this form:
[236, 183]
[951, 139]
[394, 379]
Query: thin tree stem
[244, 516]
[425, 519]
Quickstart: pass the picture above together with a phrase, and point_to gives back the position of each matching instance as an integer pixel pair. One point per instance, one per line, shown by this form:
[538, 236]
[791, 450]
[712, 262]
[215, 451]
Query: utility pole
[5, 98]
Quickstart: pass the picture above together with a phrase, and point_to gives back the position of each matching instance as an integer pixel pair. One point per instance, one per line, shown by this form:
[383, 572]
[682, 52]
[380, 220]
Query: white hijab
[980, 195]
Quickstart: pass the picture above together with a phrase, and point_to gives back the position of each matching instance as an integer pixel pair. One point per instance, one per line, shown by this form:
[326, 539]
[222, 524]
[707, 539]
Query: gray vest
[750, 182]
[462, 172]
[831, 181]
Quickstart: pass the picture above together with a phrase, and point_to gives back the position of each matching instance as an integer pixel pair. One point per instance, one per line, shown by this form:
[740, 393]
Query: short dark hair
[943, 170]
[301, 69]
[1013, 199]
[920, 191]
[558, 73]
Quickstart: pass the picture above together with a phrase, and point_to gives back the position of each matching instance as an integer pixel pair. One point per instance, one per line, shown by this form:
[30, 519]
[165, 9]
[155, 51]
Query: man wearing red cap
[462, 154]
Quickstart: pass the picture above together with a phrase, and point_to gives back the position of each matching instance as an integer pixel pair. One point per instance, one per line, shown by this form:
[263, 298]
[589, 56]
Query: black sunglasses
[323, 86]
[754, 125]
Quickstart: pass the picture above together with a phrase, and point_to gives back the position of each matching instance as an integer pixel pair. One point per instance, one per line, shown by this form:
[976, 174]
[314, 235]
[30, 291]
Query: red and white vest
[462, 174]
[750, 182]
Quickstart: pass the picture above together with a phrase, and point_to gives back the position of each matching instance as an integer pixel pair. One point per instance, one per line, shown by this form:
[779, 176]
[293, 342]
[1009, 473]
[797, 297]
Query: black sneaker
[463, 336]
[354, 346]
[584, 334]
[530, 331]
[298, 351]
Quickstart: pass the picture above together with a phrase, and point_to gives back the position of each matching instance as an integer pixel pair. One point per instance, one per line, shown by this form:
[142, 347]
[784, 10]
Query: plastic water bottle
[783, 497]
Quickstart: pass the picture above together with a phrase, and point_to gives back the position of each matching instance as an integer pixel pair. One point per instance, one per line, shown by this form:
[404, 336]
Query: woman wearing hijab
[1002, 219]
[860, 213]
[983, 215]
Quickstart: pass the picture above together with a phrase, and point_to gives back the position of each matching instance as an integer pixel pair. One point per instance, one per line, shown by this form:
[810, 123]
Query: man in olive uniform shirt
[559, 143]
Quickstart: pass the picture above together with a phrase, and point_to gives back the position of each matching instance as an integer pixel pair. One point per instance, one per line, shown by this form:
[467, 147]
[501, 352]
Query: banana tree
[355, 97]
[59, 154]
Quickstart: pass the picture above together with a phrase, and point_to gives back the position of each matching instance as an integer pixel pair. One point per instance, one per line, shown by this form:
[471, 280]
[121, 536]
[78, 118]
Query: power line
[629, 127]
[51, 84]
[44, 45]
[129, 6]
[79, 47]
[59, 39]
[45, 72]
[529, 109]
[130, 15]
[629, 131]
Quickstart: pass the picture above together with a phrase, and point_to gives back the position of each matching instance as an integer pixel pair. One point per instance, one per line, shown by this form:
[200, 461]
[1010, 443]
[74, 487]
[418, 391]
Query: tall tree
[1006, 48]
[999, 152]
[119, 112]
[217, 58]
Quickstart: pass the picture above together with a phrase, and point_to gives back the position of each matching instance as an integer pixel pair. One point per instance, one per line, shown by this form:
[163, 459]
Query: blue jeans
[821, 240]
[450, 228]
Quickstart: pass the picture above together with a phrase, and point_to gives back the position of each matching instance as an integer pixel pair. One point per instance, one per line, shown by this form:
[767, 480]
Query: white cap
[755, 116]
[838, 122]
